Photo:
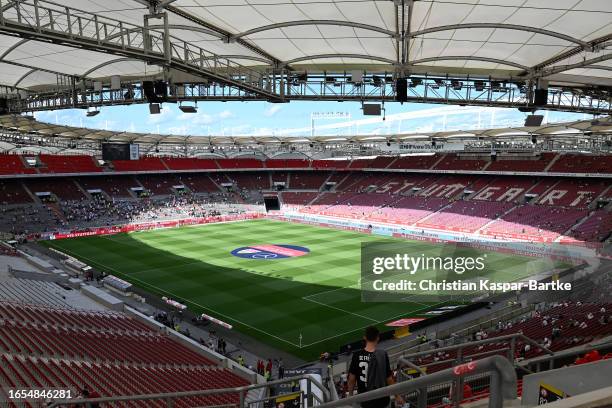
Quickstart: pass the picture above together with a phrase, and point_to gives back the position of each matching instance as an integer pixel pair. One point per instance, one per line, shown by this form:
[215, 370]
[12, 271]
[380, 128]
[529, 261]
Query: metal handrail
[503, 383]
[501, 314]
[514, 337]
[576, 351]
[169, 397]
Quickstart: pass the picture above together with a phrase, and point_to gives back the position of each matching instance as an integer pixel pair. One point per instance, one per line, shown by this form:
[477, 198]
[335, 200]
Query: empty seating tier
[581, 163]
[116, 379]
[466, 216]
[251, 181]
[114, 186]
[109, 352]
[31, 291]
[545, 162]
[181, 163]
[198, 183]
[297, 199]
[14, 164]
[287, 163]
[159, 184]
[454, 162]
[144, 164]
[64, 190]
[68, 164]
[307, 180]
[330, 164]
[240, 163]
[423, 162]
[536, 163]
[533, 221]
[12, 192]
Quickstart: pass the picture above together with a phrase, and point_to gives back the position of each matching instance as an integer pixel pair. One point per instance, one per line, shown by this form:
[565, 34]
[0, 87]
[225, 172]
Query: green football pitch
[303, 305]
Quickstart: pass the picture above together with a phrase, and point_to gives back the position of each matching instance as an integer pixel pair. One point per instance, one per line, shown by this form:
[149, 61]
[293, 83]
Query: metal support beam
[326, 56]
[468, 58]
[155, 6]
[171, 27]
[12, 48]
[285, 24]
[164, 49]
[398, 43]
[226, 34]
[104, 64]
[601, 67]
[583, 44]
[7, 6]
[406, 34]
[32, 70]
[582, 64]
[594, 44]
[447, 89]
[24, 76]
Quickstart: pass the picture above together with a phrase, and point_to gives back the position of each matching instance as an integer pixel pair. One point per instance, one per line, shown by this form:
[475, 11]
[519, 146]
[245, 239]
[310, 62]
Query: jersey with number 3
[360, 363]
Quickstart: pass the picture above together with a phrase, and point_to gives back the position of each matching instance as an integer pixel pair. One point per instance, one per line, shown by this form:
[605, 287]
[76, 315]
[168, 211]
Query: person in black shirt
[370, 369]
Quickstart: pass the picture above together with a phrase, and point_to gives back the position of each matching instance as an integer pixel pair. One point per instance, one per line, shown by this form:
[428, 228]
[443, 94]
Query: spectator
[370, 369]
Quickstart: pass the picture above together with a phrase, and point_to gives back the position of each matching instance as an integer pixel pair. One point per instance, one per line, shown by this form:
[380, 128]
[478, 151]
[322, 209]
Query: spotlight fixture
[92, 113]
[188, 109]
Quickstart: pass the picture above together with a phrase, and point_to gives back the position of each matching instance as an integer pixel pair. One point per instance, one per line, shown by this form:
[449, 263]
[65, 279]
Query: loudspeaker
[149, 91]
[540, 97]
[401, 90]
[534, 120]
[161, 90]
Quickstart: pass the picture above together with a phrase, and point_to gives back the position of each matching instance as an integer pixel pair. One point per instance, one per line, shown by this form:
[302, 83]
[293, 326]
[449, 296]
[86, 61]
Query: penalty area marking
[356, 286]
[339, 309]
[363, 327]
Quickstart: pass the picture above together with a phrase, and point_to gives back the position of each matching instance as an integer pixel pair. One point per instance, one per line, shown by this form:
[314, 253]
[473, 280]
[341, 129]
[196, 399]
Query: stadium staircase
[33, 197]
[437, 162]
[54, 207]
[552, 162]
[484, 227]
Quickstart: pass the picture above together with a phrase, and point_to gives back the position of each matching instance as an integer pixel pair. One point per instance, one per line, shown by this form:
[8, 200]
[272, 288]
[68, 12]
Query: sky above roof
[296, 119]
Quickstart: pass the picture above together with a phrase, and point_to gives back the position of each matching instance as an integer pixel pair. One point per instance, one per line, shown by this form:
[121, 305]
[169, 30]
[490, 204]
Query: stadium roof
[29, 126]
[565, 41]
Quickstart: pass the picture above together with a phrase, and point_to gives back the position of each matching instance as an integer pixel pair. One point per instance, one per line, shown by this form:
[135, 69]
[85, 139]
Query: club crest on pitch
[270, 251]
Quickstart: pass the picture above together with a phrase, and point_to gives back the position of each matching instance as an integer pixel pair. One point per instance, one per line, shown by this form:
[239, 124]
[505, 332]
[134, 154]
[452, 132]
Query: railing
[563, 357]
[484, 322]
[171, 398]
[459, 349]
[502, 384]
